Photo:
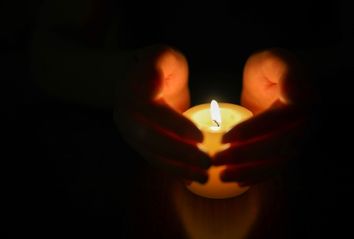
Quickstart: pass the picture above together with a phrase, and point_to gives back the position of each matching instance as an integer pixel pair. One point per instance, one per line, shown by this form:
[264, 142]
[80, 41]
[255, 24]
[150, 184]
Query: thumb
[295, 85]
[156, 72]
[144, 77]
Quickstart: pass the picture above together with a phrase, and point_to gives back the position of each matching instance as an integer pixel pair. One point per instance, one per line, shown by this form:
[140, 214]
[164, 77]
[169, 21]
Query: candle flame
[215, 112]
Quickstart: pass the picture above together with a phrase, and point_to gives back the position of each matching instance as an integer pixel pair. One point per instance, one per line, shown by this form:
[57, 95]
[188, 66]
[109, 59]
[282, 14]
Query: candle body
[231, 115]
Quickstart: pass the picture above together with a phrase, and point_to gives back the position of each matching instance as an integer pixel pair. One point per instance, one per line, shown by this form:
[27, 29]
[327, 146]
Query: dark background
[60, 159]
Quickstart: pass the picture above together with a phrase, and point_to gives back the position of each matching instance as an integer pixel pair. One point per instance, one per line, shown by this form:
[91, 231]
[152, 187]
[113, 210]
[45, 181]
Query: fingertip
[225, 176]
[195, 174]
[233, 135]
[193, 132]
[241, 131]
[199, 175]
[187, 129]
[203, 178]
[201, 160]
[192, 137]
[197, 135]
[206, 162]
[226, 138]
[219, 159]
[230, 175]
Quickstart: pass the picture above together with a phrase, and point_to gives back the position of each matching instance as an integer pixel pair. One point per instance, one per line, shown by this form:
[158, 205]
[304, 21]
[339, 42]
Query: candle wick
[216, 122]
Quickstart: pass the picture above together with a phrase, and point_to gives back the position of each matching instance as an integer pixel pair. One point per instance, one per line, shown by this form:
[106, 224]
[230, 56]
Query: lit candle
[214, 122]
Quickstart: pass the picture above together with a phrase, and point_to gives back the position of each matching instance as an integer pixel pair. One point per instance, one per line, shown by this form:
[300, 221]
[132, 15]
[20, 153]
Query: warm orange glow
[214, 121]
[205, 218]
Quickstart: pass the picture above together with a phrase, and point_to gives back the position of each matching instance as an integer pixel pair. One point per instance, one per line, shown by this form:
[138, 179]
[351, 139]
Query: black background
[60, 159]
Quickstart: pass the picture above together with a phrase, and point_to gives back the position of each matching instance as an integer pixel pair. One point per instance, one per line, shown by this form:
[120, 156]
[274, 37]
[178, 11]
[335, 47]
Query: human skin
[275, 90]
[148, 113]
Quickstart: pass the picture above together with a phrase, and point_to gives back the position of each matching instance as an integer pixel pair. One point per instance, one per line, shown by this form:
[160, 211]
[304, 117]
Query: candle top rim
[222, 105]
[240, 110]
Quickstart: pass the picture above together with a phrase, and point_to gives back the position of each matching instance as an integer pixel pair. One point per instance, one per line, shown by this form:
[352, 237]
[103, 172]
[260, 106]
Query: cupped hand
[276, 91]
[149, 102]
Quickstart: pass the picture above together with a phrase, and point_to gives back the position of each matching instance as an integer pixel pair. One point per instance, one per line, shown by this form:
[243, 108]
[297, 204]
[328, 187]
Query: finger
[252, 173]
[181, 169]
[165, 143]
[295, 86]
[276, 144]
[144, 83]
[166, 118]
[174, 68]
[261, 81]
[157, 72]
[274, 74]
[273, 120]
[177, 168]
